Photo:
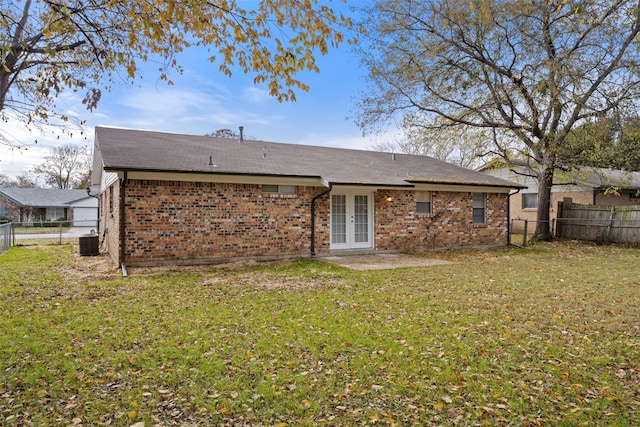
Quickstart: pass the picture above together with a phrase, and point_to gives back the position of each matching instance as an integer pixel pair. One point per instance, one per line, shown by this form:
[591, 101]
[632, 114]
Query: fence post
[524, 239]
[607, 233]
[510, 232]
[559, 218]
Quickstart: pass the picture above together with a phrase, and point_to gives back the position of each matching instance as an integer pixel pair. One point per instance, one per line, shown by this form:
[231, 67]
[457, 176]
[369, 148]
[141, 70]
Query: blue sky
[203, 100]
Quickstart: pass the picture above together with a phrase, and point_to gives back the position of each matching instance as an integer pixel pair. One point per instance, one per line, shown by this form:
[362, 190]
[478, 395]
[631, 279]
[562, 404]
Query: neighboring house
[33, 205]
[586, 185]
[168, 198]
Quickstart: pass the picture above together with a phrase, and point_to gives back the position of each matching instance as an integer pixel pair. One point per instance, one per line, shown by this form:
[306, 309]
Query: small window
[634, 196]
[280, 189]
[423, 202]
[2, 211]
[530, 201]
[479, 204]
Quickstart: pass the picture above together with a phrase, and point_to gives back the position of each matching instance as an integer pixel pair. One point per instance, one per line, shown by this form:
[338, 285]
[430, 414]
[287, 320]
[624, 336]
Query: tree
[48, 46]
[605, 143]
[526, 72]
[24, 180]
[462, 147]
[65, 167]
[230, 134]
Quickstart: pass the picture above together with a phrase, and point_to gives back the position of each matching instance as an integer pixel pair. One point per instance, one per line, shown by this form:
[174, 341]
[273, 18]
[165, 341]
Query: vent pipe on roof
[241, 134]
[211, 162]
[393, 156]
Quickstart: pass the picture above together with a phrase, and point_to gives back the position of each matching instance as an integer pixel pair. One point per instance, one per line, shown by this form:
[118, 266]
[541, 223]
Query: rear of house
[182, 199]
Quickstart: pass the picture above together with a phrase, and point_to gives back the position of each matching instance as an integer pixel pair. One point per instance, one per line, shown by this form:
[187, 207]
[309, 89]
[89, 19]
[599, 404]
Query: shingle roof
[603, 178]
[134, 150]
[597, 178]
[43, 197]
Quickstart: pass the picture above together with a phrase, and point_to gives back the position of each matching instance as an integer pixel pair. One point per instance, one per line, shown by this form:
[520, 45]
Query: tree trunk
[543, 224]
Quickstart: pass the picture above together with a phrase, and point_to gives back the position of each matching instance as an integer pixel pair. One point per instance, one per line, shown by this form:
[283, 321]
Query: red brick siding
[399, 227]
[193, 221]
[11, 209]
[169, 221]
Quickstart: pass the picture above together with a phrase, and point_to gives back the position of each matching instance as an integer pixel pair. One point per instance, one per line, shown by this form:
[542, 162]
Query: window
[530, 201]
[479, 203]
[632, 196]
[280, 189]
[2, 211]
[54, 214]
[423, 202]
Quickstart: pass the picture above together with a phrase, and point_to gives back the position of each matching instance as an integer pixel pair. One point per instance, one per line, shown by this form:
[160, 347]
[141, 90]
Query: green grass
[548, 335]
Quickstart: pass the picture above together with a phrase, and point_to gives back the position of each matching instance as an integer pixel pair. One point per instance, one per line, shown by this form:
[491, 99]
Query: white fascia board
[227, 179]
[462, 188]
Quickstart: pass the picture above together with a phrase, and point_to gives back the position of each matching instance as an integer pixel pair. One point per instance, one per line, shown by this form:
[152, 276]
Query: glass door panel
[338, 218]
[361, 219]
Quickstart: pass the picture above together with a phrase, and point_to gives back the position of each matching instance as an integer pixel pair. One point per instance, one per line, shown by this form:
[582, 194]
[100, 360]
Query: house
[584, 185]
[33, 205]
[182, 199]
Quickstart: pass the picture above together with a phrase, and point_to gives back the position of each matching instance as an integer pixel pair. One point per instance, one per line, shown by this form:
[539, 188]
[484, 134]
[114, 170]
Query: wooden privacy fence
[618, 224]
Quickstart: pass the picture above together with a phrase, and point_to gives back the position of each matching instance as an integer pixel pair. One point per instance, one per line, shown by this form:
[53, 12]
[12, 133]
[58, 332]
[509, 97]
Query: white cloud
[256, 95]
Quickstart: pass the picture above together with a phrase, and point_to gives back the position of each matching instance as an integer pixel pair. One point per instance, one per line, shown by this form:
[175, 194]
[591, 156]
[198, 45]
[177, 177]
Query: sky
[203, 100]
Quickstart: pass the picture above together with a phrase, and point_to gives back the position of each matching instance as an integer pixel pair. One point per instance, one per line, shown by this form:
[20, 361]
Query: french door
[351, 220]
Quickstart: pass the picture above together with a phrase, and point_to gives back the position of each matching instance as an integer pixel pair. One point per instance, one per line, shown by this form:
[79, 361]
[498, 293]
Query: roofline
[12, 199]
[323, 181]
[371, 184]
[203, 172]
[467, 183]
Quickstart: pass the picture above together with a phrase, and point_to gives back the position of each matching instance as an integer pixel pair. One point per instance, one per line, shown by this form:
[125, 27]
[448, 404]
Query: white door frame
[353, 235]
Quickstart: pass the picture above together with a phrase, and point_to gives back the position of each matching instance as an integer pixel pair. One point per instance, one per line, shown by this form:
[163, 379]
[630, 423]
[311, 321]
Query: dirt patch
[382, 261]
[91, 268]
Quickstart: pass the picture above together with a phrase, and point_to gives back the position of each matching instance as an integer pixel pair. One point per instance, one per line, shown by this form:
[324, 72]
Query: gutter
[122, 225]
[313, 218]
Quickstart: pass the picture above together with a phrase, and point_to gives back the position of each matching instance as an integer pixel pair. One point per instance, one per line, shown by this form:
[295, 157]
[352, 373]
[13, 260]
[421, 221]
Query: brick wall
[11, 209]
[399, 227]
[194, 222]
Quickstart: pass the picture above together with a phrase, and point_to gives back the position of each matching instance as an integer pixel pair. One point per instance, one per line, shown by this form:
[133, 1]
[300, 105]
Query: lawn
[547, 335]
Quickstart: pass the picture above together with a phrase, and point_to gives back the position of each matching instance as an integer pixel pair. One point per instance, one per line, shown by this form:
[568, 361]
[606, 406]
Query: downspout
[509, 214]
[122, 224]
[313, 218]
[97, 198]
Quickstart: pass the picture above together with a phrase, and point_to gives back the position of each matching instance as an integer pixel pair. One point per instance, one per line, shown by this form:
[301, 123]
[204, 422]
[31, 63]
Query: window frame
[421, 202]
[475, 208]
[524, 205]
[282, 190]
